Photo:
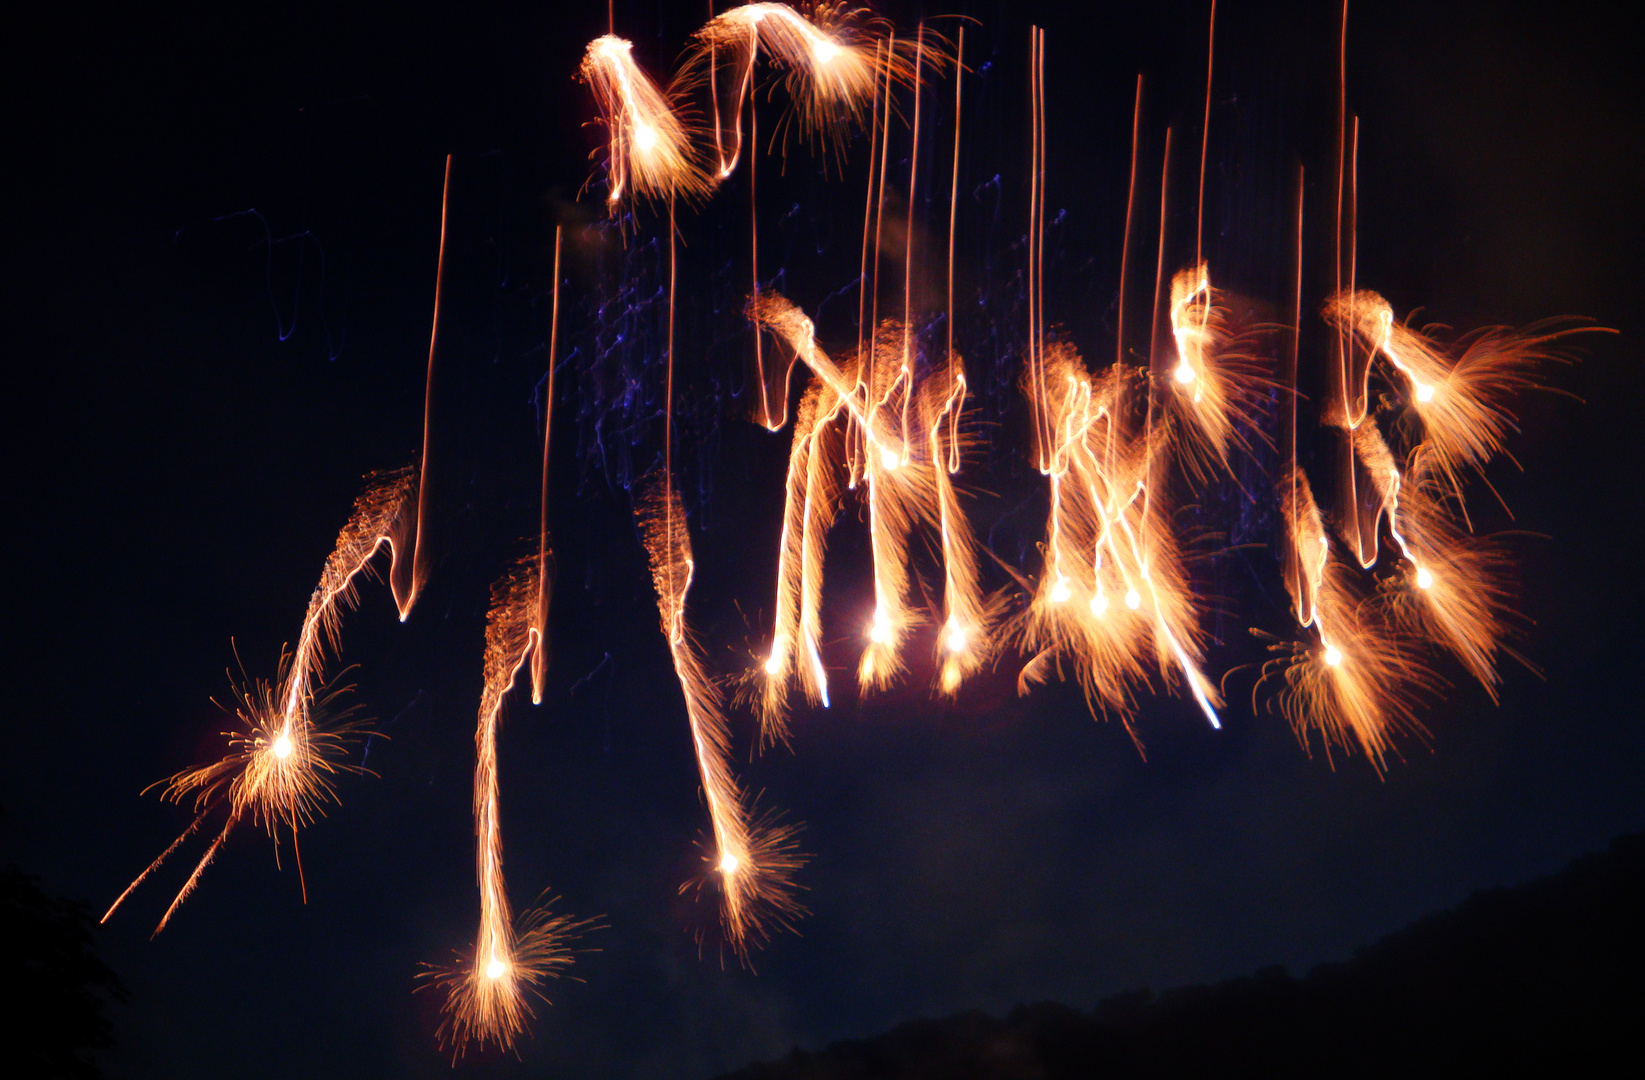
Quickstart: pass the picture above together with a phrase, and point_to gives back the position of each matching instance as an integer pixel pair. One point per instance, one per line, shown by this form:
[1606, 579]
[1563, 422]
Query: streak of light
[488, 989]
[1220, 388]
[278, 773]
[831, 57]
[650, 151]
[545, 556]
[754, 858]
[1358, 685]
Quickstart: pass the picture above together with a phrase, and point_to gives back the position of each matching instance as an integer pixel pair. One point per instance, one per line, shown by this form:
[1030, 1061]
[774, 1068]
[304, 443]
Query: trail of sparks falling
[1114, 580]
[907, 466]
[488, 989]
[1114, 600]
[278, 771]
[651, 152]
[754, 858]
[832, 57]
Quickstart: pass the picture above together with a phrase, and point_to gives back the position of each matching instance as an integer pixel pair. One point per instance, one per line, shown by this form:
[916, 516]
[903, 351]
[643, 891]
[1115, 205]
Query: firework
[1219, 388]
[1114, 581]
[1358, 685]
[832, 58]
[488, 989]
[278, 771]
[1459, 395]
[753, 858]
[650, 151]
[907, 421]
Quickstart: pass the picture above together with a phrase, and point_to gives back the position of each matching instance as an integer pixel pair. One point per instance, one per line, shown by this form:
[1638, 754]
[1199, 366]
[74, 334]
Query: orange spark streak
[278, 773]
[908, 486]
[754, 859]
[545, 557]
[650, 152]
[1220, 389]
[1099, 611]
[830, 56]
[488, 989]
[1461, 401]
[406, 593]
[1359, 685]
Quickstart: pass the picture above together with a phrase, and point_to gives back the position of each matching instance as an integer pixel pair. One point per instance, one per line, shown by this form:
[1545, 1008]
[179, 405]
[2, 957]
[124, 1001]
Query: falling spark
[1461, 599]
[831, 56]
[650, 151]
[545, 556]
[1103, 539]
[1459, 394]
[1220, 389]
[907, 486]
[279, 773]
[754, 858]
[1358, 685]
[488, 989]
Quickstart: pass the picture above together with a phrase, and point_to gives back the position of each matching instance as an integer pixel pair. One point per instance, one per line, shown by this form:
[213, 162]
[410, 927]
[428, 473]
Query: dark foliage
[1543, 977]
[58, 987]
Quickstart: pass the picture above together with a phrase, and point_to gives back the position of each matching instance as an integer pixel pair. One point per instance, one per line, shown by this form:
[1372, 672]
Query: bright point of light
[825, 51]
[879, 632]
[282, 747]
[1185, 374]
[1333, 655]
[729, 863]
[888, 458]
[1133, 599]
[956, 637]
[774, 662]
[1099, 604]
[1424, 578]
[496, 969]
[1425, 392]
[645, 136]
[1060, 592]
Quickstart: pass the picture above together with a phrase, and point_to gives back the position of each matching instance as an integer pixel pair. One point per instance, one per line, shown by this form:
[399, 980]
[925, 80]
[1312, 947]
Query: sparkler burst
[753, 857]
[651, 151]
[833, 58]
[278, 774]
[1358, 684]
[488, 988]
[1218, 389]
[1460, 395]
[1113, 581]
[900, 421]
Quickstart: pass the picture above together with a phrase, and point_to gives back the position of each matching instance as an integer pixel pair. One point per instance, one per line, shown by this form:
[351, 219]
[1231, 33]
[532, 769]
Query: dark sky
[222, 266]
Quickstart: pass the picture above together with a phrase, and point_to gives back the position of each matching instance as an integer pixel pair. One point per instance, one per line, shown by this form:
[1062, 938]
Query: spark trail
[279, 772]
[907, 487]
[754, 857]
[488, 988]
[651, 152]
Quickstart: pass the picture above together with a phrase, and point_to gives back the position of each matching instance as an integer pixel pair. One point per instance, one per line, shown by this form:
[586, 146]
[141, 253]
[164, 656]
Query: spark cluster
[1113, 604]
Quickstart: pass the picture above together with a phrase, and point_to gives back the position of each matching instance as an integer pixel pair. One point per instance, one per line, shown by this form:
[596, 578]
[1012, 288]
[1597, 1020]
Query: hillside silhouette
[1544, 977]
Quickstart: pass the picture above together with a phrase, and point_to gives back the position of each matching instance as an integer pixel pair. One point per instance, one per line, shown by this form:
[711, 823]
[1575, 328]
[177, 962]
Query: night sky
[222, 270]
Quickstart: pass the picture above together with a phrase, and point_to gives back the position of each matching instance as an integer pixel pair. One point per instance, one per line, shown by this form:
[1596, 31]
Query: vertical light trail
[1041, 435]
[753, 859]
[754, 261]
[488, 990]
[539, 657]
[952, 462]
[1125, 243]
[908, 256]
[419, 550]
[1205, 138]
